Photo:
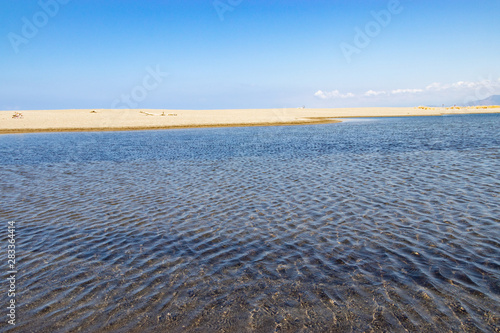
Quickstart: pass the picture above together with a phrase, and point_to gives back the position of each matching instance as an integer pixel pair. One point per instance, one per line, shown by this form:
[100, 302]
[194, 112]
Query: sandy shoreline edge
[83, 120]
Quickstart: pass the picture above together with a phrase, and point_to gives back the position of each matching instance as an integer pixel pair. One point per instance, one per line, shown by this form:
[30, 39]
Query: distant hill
[492, 100]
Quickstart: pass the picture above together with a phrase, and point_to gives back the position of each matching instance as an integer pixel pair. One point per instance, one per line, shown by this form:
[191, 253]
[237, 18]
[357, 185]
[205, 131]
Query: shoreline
[144, 128]
[105, 120]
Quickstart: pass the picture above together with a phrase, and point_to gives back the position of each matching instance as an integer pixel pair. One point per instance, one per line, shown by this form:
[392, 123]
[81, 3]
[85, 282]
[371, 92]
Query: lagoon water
[388, 224]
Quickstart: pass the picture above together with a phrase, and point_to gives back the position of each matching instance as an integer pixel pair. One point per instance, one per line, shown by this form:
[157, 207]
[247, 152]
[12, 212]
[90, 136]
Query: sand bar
[140, 119]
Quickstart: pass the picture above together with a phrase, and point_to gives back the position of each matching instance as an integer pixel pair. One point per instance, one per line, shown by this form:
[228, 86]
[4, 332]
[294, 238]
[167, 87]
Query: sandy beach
[30, 121]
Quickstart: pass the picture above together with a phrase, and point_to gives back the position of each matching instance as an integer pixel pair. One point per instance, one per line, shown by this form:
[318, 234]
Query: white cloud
[406, 91]
[332, 94]
[462, 85]
[491, 86]
[434, 86]
[374, 93]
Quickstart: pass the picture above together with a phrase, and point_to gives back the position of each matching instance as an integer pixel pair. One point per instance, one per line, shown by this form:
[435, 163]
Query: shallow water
[385, 225]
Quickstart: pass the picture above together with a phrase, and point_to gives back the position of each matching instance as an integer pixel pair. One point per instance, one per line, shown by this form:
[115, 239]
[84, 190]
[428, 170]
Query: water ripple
[310, 229]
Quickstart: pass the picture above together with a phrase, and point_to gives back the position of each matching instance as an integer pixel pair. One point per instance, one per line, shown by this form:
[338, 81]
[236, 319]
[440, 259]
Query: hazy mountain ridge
[492, 100]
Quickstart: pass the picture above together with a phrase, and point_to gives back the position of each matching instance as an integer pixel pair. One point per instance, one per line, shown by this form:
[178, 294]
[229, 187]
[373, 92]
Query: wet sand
[142, 119]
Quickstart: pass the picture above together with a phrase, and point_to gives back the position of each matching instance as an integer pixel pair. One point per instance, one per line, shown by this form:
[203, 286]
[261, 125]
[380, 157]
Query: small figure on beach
[17, 115]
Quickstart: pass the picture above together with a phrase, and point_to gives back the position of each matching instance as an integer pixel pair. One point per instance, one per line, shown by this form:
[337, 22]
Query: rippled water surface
[385, 225]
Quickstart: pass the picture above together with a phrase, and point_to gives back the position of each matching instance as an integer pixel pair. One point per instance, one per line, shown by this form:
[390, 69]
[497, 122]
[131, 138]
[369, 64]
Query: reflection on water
[390, 225]
[356, 120]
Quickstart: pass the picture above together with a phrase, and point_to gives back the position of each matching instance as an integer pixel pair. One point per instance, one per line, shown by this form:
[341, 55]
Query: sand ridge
[140, 119]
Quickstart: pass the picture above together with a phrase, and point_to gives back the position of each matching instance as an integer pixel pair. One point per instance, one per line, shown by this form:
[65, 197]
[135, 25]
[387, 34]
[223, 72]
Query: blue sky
[246, 53]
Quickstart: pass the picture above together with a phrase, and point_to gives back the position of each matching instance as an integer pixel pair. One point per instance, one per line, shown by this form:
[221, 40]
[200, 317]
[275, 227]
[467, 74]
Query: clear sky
[206, 54]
